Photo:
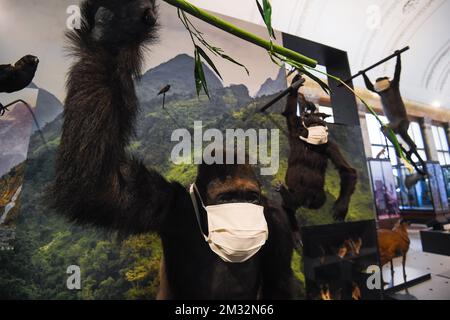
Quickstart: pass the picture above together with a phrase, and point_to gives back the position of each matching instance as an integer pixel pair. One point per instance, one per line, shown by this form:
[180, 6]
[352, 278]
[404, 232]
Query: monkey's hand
[279, 186]
[298, 77]
[339, 211]
[298, 242]
[301, 81]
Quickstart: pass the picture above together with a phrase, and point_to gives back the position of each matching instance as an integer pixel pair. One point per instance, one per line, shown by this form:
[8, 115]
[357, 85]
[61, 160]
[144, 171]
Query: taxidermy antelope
[393, 243]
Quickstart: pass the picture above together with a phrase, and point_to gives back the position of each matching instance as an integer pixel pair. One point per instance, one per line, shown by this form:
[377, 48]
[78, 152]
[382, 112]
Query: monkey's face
[382, 79]
[124, 21]
[314, 119]
[228, 183]
[233, 190]
[382, 84]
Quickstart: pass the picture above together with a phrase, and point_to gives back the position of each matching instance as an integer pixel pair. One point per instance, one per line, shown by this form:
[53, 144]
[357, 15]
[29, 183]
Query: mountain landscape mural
[48, 107]
[45, 244]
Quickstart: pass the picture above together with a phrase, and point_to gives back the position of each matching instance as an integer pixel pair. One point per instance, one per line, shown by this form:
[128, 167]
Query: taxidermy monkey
[310, 150]
[394, 109]
[99, 184]
[18, 76]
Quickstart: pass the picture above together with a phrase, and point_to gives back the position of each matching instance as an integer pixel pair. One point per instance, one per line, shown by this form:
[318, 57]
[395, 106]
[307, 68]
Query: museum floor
[419, 262]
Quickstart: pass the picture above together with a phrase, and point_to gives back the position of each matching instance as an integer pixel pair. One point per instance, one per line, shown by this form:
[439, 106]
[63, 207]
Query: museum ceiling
[370, 30]
[367, 29]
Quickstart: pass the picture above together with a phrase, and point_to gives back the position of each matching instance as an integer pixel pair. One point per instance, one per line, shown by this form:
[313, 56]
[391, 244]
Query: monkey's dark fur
[395, 110]
[97, 183]
[307, 165]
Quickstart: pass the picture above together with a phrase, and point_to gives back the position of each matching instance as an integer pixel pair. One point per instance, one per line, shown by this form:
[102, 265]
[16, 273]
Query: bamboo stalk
[240, 33]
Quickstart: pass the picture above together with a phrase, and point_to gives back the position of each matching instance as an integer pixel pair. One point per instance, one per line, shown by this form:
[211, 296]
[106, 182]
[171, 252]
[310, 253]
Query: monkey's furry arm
[96, 181]
[398, 70]
[290, 113]
[369, 84]
[277, 272]
[348, 177]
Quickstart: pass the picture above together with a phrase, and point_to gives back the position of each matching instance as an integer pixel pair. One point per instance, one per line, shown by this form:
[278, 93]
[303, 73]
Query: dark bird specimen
[163, 92]
[16, 77]
[307, 165]
[98, 183]
[394, 108]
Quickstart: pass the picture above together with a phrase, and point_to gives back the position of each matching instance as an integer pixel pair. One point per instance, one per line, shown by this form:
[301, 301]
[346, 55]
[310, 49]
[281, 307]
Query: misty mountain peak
[179, 73]
[271, 86]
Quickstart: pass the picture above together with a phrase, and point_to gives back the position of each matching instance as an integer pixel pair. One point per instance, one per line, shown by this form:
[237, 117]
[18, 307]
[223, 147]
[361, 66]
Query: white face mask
[382, 85]
[316, 135]
[236, 230]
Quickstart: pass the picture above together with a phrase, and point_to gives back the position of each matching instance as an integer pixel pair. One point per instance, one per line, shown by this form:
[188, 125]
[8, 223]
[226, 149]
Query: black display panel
[336, 258]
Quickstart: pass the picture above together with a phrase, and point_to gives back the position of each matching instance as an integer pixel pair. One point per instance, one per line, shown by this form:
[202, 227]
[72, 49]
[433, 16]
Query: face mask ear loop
[192, 191]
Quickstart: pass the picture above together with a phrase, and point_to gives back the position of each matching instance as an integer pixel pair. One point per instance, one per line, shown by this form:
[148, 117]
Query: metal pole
[281, 95]
[376, 64]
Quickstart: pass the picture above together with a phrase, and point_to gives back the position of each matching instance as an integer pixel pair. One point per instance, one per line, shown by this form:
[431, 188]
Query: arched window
[418, 197]
[441, 143]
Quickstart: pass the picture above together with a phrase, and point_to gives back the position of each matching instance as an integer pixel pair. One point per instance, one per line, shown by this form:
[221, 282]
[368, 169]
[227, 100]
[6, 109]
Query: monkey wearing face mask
[394, 108]
[310, 150]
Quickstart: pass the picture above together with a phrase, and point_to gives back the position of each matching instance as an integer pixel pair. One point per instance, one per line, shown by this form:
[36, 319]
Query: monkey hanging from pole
[310, 150]
[395, 111]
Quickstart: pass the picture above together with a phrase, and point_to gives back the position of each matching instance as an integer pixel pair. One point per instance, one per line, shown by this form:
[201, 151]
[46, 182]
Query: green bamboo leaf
[200, 79]
[208, 61]
[195, 33]
[266, 14]
[224, 56]
[261, 10]
[273, 57]
[219, 52]
[291, 72]
[268, 17]
[187, 7]
[322, 84]
[389, 133]
[303, 70]
[216, 50]
[299, 67]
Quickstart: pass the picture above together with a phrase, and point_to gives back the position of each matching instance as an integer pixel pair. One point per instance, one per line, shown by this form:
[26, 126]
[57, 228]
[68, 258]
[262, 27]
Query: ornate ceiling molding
[387, 14]
[436, 73]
